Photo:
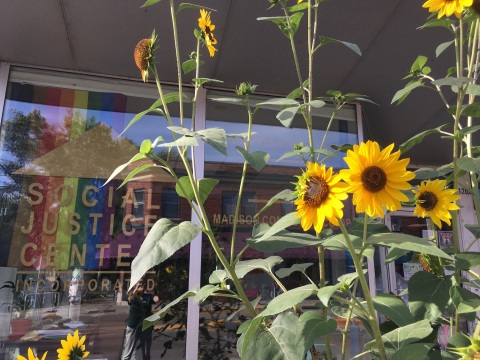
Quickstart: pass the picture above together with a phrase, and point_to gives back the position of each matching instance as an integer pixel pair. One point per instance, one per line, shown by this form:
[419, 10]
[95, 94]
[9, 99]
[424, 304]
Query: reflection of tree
[23, 134]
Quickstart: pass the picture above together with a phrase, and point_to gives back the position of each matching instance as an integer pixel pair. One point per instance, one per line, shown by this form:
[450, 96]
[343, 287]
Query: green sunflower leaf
[257, 159]
[429, 295]
[280, 102]
[286, 195]
[183, 141]
[244, 267]
[153, 319]
[298, 7]
[401, 337]
[469, 164]
[283, 240]
[394, 308]
[122, 167]
[205, 292]
[429, 173]
[201, 81]
[472, 110]
[326, 40]
[192, 6]
[286, 115]
[288, 299]
[215, 137]
[444, 22]
[407, 145]
[452, 81]
[284, 222]
[134, 172]
[419, 63]
[467, 260]
[407, 242]
[205, 187]
[310, 327]
[442, 47]
[282, 23]
[400, 95]
[163, 240]
[190, 65]
[150, 3]
[284, 272]
[228, 100]
[464, 300]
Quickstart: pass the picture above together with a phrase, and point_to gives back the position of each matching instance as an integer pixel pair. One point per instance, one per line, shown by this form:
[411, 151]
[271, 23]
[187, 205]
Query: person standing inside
[57, 295]
[148, 299]
[134, 321]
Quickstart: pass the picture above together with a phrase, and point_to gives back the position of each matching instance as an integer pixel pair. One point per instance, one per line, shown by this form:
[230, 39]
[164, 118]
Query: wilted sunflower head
[433, 199]
[143, 55]
[447, 7]
[319, 197]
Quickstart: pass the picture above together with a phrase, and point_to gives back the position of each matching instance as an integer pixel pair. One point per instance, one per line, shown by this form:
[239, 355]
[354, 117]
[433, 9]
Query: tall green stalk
[372, 318]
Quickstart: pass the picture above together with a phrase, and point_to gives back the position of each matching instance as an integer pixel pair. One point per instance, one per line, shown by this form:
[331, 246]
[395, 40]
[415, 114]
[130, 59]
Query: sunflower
[143, 55]
[433, 199]
[205, 24]
[447, 7]
[73, 348]
[31, 355]
[319, 195]
[376, 178]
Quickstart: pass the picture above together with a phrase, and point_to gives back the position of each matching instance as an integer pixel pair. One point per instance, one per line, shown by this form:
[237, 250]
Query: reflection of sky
[276, 141]
[151, 127]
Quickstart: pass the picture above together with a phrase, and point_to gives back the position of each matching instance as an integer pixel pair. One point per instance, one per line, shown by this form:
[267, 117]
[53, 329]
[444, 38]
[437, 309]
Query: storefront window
[67, 236]
[218, 317]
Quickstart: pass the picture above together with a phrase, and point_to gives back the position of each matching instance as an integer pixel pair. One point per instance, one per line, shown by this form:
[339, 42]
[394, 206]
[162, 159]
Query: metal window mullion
[4, 71]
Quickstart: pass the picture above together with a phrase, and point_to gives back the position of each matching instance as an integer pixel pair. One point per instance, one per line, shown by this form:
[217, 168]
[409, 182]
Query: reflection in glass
[61, 223]
[219, 319]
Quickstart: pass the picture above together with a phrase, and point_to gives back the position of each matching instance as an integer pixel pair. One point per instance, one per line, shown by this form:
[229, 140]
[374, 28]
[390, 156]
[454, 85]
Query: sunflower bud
[244, 89]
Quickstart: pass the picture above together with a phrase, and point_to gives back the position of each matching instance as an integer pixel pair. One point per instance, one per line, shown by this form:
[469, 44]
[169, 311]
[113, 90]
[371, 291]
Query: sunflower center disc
[374, 179]
[317, 191]
[428, 200]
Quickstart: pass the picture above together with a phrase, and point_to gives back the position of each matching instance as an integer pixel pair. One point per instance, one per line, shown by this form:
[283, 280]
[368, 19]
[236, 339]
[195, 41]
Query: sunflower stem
[372, 318]
[179, 65]
[242, 182]
[321, 269]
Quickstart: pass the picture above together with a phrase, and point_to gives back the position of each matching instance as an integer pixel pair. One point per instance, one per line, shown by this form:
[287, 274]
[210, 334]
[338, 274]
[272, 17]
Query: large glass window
[67, 235]
[217, 316]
